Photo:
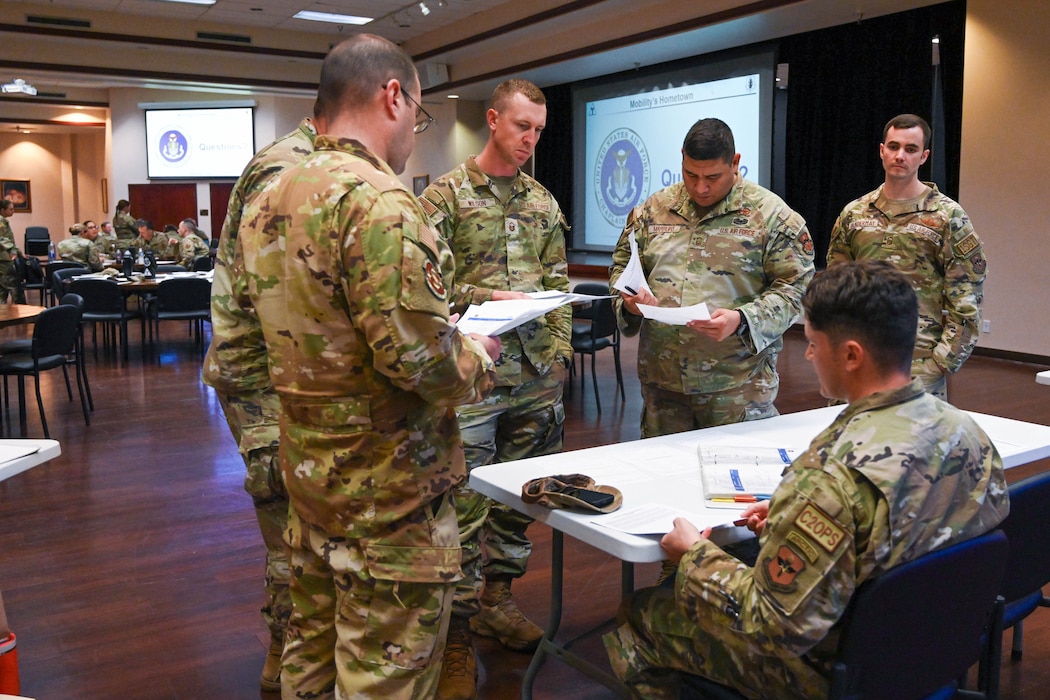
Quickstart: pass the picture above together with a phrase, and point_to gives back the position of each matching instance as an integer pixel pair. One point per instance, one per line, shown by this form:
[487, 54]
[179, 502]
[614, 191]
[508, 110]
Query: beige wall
[1005, 166]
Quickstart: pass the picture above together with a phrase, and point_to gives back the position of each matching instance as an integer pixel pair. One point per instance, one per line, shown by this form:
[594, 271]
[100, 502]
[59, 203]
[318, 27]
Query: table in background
[665, 471]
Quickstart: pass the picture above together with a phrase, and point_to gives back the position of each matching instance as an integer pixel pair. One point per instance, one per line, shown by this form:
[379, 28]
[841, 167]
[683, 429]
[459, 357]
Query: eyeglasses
[92, 226]
[423, 118]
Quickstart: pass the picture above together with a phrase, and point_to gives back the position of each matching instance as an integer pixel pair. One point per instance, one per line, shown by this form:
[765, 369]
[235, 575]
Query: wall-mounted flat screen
[628, 136]
[199, 143]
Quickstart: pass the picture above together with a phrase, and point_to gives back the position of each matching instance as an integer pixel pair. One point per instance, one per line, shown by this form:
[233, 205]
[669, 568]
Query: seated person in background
[107, 239]
[192, 244]
[898, 474]
[149, 239]
[81, 247]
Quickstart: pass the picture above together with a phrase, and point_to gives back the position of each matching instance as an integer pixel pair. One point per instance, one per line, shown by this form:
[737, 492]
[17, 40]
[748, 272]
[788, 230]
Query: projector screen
[628, 134]
[198, 143]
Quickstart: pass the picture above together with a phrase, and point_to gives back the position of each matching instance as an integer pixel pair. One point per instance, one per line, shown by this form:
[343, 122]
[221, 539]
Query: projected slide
[198, 143]
[634, 145]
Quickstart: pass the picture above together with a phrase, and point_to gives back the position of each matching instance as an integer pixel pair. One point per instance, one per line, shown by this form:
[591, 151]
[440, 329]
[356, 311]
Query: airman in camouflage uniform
[236, 367]
[148, 239]
[107, 238]
[344, 273]
[9, 282]
[191, 246]
[739, 248]
[124, 223]
[898, 474]
[507, 234]
[928, 236]
[81, 247]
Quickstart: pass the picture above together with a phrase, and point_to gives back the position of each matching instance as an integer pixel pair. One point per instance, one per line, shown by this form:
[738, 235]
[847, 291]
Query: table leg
[549, 646]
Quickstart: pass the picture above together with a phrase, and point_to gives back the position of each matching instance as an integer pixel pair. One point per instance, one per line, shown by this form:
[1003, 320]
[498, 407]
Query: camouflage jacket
[124, 226]
[190, 247]
[343, 271]
[517, 246]
[933, 243]
[7, 241]
[80, 250]
[750, 252]
[898, 474]
[236, 363]
[159, 244]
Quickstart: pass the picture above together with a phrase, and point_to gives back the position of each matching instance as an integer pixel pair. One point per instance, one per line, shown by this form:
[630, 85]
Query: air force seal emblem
[621, 175]
[173, 146]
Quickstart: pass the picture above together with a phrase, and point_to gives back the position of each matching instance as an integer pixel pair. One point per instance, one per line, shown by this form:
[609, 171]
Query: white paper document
[495, 317]
[676, 315]
[658, 519]
[632, 279]
[567, 297]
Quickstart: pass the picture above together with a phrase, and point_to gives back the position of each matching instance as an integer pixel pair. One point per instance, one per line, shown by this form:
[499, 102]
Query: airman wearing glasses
[80, 247]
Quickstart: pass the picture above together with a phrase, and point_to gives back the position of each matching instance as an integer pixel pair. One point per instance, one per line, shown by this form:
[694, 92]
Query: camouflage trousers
[934, 381]
[659, 642]
[9, 283]
[362, 628]
[264, 484]
[514, 422]
[666, 412]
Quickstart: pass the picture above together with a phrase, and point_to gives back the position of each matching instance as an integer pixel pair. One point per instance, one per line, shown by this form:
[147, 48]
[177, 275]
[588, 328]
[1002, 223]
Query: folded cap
[572, 491]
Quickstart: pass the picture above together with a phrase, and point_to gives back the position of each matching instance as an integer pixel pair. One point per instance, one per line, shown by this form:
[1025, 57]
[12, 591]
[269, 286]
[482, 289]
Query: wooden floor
[131, 566]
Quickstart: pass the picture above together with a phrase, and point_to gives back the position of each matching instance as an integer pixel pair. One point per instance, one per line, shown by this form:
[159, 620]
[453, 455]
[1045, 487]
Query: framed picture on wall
[419, 183]
[19, 194]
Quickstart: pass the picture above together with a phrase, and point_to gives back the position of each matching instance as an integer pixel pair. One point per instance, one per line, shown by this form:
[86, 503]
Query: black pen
[633, 293]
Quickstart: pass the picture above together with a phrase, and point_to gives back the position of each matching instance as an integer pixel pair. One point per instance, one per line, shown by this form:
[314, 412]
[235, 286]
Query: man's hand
[505, 294]
[723, 324]
[631, 301]
[756, 516]
[680, 539]
[492, 344]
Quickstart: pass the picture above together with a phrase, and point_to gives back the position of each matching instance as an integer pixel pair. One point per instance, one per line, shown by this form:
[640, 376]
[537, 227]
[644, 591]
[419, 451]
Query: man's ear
[852, 355]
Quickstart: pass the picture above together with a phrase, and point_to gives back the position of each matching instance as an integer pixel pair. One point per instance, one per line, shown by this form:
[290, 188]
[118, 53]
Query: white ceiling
[449, 34]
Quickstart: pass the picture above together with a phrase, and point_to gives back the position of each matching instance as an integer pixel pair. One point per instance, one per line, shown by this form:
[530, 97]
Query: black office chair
[31, 276]
[37, 240]
[202, 263]
[1027, 571]
[182, 298]
[594, 329]
[55, 289]
[54, 340]
[105, 303]
[910, 633]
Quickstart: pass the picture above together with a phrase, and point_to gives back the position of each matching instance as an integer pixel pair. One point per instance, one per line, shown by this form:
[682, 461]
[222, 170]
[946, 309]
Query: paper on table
[567, 297]
[632, 279]
[495, 317]
[676, 315]
[657, 519]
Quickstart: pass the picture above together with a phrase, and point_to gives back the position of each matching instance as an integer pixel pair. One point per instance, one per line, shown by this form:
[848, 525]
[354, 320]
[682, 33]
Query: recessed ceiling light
[330, 17]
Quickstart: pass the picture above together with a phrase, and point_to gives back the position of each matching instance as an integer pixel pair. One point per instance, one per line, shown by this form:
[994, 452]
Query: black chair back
[100, 296]
[37, 238]
[202, 263]
[919, 626]
[1028, 568]
[183, 295]
[56, 332]
[54, 276]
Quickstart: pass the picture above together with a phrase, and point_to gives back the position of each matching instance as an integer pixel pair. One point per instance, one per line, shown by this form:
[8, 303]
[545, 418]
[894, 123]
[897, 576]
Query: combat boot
[500, 618]
[270, 680]
[459, 667]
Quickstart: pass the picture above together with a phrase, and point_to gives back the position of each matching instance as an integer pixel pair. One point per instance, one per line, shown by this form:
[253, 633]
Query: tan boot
[270, 680]
[459, 668]
[500, 618]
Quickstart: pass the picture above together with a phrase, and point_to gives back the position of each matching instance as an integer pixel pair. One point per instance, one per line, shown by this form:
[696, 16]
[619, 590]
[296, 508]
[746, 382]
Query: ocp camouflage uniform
[9, 282]
[516, 245]
[898, 474]
[80, 250]
[344, 273]
[750, 252]
[190, 248]
[124, 226]
[236, 367]
[930, 240]
[158, 244]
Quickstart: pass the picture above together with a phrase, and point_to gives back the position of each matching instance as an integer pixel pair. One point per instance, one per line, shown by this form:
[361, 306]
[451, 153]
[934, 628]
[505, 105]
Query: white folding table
[664, 470]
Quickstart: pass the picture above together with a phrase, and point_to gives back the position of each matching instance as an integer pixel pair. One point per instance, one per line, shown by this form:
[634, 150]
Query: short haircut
[869, 301]
[5, 204]
[710, 139]
[356, 69]
[191, 225]
[506, 90]
[123, 204]
[909, 121]
[139, 223]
